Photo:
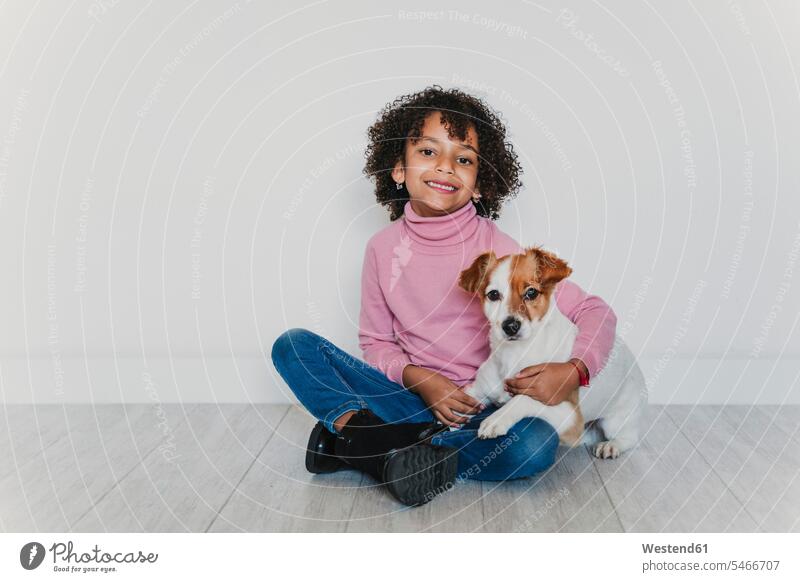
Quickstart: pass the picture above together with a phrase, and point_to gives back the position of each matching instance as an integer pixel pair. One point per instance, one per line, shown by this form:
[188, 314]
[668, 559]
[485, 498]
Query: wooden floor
[240, 468]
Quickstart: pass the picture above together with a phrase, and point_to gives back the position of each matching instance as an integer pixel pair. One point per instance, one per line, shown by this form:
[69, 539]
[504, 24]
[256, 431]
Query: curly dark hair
[498, 168]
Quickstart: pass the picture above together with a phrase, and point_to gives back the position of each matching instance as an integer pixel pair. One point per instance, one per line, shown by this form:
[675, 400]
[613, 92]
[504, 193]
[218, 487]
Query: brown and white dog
[527, 328]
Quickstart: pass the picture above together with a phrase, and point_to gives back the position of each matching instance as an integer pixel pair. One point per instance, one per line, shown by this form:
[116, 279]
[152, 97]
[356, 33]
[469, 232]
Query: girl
[442, 166]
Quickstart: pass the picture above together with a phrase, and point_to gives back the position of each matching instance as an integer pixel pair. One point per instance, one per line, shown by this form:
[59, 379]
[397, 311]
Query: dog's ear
[549, 268]
[472, 278]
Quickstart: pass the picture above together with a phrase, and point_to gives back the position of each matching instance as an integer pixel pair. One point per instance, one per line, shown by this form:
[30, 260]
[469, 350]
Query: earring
[476, 197]
[399, 185]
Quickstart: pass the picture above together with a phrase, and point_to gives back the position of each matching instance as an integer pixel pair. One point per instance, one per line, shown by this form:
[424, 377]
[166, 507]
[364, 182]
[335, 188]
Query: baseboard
[76, 379]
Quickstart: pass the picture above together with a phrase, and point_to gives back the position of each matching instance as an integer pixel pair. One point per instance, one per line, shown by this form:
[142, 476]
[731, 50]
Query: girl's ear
[475, 276]
[399, 172]
[549, 268]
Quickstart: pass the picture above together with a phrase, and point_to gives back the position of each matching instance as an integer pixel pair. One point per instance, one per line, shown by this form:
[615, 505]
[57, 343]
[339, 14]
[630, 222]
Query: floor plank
[277, 494]
[570, 497]
[26, 429]
[787, 418]
[664, 484]
[107, 467]
[184, 488]
[775, 501]
[774, 497]
[458, 510]
[756, 459]
[60, 483]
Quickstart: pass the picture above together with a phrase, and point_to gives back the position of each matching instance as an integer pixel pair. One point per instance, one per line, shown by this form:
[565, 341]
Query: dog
[527, 328]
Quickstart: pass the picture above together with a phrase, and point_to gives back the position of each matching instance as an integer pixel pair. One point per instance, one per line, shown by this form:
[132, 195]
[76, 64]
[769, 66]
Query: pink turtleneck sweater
[414, 312]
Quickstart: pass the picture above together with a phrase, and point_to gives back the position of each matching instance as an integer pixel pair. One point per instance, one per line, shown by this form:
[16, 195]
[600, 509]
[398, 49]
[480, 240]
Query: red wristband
[583, 378]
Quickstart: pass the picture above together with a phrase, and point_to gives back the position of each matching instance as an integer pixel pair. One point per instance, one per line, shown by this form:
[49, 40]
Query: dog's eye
[531, 294]
[493, 295]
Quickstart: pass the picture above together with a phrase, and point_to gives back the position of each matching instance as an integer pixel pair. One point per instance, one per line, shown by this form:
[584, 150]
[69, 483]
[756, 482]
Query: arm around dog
[596, 321]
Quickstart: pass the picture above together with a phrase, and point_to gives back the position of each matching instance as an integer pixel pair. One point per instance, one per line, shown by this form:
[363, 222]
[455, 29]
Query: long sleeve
[376, 332]
[596, 323]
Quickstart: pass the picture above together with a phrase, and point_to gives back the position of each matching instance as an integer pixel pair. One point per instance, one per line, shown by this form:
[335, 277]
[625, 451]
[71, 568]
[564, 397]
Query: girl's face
[439, 172]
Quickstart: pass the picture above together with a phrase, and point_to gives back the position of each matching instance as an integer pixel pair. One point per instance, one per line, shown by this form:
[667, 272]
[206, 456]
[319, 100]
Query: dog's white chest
[551, 343]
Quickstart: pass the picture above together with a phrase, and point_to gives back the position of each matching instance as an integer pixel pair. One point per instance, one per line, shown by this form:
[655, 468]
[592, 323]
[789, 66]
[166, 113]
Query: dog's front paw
[606, 450]
[496, 425]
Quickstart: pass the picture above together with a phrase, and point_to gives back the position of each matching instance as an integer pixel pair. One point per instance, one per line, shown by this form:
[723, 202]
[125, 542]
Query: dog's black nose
[511, 326]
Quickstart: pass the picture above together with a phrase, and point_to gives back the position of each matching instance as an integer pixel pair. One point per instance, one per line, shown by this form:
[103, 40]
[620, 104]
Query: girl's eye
[464, 161]
[493, 295]
[531, 294]
[426, 152]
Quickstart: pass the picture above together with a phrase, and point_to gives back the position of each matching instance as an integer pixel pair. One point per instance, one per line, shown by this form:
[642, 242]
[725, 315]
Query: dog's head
[515, 290]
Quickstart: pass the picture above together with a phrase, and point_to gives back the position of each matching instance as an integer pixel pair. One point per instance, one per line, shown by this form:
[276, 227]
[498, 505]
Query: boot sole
[417, 474]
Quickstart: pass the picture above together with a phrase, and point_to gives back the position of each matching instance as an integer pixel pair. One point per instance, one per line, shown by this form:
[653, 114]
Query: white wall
[181, 183]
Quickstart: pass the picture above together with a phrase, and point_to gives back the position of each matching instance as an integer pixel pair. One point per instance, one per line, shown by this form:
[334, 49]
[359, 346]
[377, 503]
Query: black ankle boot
[321, 454]
[399, 455]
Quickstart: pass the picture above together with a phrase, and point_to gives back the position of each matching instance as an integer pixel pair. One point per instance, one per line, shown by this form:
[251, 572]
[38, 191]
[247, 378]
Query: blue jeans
[329, 382]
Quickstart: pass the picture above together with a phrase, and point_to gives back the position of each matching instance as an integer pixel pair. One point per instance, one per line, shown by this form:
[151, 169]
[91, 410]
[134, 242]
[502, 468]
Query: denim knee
[532, 449]
[291, 342]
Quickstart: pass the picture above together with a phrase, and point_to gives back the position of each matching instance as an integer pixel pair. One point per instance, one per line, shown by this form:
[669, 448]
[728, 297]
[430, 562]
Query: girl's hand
[549, 383]
[444, 399]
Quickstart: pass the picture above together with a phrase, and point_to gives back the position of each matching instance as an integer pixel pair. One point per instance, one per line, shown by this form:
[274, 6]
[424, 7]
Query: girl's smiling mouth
[446, 187]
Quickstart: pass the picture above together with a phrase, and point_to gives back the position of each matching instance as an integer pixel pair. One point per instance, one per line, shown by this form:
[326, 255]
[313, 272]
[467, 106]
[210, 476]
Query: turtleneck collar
[441, 231]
